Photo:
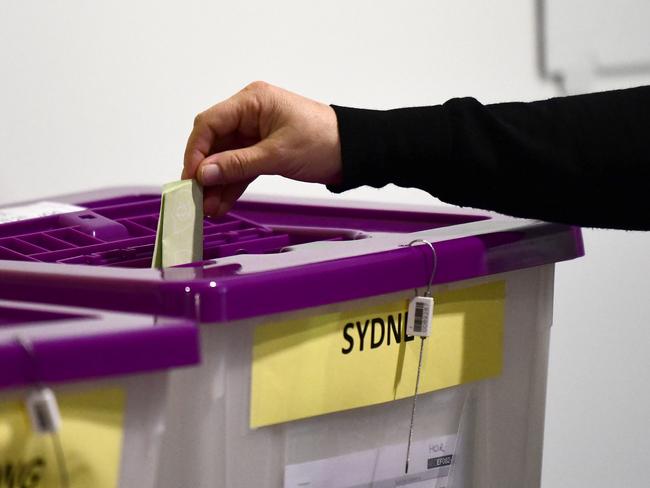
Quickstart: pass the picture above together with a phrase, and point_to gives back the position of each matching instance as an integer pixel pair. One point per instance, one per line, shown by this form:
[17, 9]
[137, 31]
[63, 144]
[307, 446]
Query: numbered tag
[43, 411]
[419, 316]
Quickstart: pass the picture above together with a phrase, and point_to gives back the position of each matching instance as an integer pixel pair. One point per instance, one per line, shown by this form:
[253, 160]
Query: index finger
[216, 122]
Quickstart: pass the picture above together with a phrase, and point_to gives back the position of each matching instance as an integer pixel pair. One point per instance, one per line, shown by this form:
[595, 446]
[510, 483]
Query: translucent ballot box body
[108, 374]
[308, 374]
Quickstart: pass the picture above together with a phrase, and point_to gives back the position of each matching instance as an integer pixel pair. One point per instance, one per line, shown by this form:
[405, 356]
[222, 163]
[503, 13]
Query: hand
[261, 130]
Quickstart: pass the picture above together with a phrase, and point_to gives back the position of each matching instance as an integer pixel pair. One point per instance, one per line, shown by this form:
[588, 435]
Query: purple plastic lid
[42, 344]
[263, 257]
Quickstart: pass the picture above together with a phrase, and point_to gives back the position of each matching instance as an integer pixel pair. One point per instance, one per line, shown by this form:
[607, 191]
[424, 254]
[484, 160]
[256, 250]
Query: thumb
[237, 165]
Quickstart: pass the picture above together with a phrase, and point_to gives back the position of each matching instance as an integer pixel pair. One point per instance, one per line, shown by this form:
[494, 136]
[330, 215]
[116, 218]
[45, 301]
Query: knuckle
[257, 86]
[198, 120]
[254, 96]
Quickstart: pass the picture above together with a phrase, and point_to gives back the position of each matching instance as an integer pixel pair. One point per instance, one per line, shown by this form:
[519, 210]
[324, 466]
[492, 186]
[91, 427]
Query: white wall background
[100, 94]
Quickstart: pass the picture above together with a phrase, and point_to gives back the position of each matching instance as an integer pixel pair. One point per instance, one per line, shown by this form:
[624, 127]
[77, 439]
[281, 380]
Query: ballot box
[308, 375]
[83, 394]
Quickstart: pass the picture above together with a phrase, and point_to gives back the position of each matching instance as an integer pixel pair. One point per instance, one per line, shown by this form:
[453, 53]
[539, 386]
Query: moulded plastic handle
[95, 225]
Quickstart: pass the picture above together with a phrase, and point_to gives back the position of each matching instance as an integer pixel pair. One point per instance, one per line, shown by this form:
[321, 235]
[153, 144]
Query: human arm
[583, 160]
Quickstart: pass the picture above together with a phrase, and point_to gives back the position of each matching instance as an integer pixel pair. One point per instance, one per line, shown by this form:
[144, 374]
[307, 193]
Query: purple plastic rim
[83, 344]
[231, 292]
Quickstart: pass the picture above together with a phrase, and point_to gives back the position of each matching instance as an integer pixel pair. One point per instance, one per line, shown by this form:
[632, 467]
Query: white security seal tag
[420, 315]
[43, 411]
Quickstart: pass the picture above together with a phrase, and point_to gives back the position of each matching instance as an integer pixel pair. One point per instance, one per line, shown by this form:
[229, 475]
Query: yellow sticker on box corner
[355, 358]
[90, 438]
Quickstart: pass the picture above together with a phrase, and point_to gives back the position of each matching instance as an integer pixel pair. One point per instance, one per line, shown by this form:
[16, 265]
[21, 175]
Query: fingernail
[210, 174]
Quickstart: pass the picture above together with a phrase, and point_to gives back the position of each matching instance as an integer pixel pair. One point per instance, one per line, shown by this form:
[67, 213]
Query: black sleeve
[583, 160]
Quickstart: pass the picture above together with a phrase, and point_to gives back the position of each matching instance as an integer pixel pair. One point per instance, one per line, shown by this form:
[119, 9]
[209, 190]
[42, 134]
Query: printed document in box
[431, 463]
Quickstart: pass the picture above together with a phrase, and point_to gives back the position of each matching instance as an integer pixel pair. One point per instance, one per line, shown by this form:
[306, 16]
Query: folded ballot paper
[179, 239]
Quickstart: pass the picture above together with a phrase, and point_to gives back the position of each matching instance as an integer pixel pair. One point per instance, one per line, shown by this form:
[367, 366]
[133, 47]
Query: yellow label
[355, 358]
[90, 437]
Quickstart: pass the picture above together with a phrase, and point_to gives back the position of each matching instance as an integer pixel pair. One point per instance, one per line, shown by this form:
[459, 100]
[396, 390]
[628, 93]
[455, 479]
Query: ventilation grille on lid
[123, 233]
